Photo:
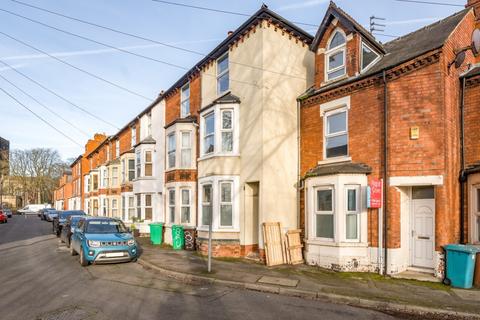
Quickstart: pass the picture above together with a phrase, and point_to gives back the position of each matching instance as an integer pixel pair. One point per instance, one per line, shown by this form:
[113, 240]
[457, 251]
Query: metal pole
[210, 244]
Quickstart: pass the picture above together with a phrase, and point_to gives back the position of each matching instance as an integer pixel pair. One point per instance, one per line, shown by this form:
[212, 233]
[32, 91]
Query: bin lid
[462, 248]
[156, 224]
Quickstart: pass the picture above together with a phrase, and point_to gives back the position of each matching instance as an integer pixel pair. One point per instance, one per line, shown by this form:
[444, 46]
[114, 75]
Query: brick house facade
[391, 115]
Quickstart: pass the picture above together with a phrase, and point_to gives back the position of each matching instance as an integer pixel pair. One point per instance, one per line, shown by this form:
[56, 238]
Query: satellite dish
[459, 59]
[476, 41]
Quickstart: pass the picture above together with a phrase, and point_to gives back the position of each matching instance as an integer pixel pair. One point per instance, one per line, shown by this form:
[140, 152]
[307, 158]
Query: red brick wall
[172, 107]
[472, 122]
[125, 138]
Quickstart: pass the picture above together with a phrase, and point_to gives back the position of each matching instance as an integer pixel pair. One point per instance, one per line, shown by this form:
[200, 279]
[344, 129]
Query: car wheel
[134, 259]
[83, 260]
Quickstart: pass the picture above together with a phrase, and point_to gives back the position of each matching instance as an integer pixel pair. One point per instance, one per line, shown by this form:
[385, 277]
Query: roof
[338, 168]
[226, 98]
[76, 160]
[335, 12]
[405, 48]
[189, 119]
[472, 73]
[261, 14]
[147, 140]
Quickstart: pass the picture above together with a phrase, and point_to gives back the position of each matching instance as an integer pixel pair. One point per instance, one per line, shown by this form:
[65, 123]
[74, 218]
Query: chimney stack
[475, 4]
[229, 33]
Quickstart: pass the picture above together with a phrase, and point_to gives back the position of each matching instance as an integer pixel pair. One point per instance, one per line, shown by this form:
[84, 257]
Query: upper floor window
[369, 57]
[336, 133]
[227, 130]
[134, 136]
[223, 80]
[114, 176]
[335, 56]
[209, 134]
[148, 165]
[171, 142]
[149, 124]
[185, 101]
[186, 150]
[138, 163]
[104, 181]
[131, 169]
[117, 148]
[95, 182]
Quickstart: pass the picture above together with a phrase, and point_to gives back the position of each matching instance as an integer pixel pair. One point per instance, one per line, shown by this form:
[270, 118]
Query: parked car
[69, 228]
[8, 212]
[50, 215]
[3, 217]
[103, 240]
[59, 221]
[33, 208]
[43, 213]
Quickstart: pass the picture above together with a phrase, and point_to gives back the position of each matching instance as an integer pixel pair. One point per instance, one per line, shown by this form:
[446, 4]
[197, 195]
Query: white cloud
[411, 21]
[301, 5]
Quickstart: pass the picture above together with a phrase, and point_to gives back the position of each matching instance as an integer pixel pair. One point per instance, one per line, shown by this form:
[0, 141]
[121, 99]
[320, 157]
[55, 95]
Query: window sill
[337, 244]
[205, 228]
[219, 155]
[335, 160]
[325, 83]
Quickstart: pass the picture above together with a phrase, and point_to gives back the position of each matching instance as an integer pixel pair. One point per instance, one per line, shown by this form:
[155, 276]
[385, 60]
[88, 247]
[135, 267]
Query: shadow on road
[21, 227]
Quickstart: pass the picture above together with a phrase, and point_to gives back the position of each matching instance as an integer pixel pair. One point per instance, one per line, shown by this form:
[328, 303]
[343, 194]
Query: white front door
[423, 227]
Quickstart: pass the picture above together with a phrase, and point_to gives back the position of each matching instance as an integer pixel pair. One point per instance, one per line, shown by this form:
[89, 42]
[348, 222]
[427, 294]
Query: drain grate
[69, 313]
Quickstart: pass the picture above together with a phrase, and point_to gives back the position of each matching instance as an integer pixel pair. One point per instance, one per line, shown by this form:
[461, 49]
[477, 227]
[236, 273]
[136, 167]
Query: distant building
[4, 156]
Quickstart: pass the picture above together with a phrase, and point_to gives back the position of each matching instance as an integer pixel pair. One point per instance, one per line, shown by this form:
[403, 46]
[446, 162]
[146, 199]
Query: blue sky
[184, 27]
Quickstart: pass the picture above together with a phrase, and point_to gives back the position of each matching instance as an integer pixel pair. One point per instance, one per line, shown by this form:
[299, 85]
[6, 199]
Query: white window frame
[114, 207]
[139, 205]
[186, 205]
[326, 135]
[221, 74]
[138, 164]
[185, 101]
[227, 130]
[186, 149]
[114, 183]
[131, 211]
[222, 203]
[205, 135]
[202, 203]
[171, 151]
[362, 44]
[133, 142]
[124, 161]
[150, 163]
[117, 148]
[148, 206]
[171, 205]
[149, 124]
[317, 212]
[130, 169]
[475, 214]
[356, 212]
[329, 52]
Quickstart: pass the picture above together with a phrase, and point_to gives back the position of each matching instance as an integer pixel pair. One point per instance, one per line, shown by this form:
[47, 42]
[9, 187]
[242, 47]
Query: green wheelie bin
[156, 233]
[178, 238]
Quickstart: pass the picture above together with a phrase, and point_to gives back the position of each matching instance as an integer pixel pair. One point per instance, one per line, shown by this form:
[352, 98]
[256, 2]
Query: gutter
[298, 163]
[463, 173]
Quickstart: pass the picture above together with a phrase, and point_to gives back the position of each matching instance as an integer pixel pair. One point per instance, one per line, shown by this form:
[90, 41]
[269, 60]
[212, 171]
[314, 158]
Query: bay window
[223, 80]
[171, 141]
[171, 205]
[138, 163]
[114, 207]
[131, 207]
[336, 133]
[207, 204]
[114, 177]
[148, 165]
[335, 56]
[124, 170]
[185, 101]
[117, 148]
[131, 169]
[186, 150]
[209, 134]
[352, 213]
[185, 205]
[324, 213]
[139, 206]
[226, 204]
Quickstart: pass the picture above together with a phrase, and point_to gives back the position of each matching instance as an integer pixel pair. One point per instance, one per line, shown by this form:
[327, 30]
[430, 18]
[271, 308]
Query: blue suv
[103, 240]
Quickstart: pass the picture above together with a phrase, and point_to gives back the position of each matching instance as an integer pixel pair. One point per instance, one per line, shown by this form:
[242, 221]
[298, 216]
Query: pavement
[40, 280]
[409, 298]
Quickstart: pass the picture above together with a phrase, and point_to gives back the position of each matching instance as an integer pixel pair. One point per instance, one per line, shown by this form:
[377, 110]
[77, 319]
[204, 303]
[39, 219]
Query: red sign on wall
[374, 194]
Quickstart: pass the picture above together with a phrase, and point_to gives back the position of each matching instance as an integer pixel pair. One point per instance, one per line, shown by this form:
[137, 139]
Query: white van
[33, 208]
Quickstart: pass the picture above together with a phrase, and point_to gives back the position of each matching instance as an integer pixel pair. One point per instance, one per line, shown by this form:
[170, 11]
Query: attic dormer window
[335, 56]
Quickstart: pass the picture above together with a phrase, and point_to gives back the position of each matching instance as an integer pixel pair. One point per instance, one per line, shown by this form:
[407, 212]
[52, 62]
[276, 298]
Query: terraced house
[389, 111]
[277, 125]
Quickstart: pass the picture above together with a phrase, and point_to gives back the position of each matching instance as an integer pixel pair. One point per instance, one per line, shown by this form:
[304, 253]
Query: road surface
[40, 280]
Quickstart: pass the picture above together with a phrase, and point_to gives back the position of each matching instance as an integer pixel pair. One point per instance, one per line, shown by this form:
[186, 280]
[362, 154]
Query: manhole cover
[70, 313]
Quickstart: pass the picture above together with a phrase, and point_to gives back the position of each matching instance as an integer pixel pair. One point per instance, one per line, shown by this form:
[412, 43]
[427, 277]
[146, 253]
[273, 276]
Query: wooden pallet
[273, 242]
[294, 247]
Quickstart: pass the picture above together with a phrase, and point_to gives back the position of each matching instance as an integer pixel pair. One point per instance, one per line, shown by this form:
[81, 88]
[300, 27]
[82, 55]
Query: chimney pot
[229, 33]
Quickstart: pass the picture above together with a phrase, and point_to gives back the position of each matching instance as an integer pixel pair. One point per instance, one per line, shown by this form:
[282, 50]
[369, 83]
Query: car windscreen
[74, 221]
[105, 226]
[65, 214]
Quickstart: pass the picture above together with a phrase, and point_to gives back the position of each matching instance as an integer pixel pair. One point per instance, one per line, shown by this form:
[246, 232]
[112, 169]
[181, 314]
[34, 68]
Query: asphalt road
[40, 280]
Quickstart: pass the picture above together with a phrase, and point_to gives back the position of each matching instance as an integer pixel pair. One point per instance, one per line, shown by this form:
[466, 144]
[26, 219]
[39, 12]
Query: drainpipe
[385, 171]
[463, 174]
[298, 165]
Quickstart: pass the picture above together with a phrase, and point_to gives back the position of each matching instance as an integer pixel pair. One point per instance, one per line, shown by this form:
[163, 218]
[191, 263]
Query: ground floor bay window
[336, 219]
[179, 202]
[219, 203]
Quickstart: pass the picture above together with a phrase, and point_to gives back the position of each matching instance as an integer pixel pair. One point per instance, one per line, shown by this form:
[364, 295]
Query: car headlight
[94, 243]
[131, 242]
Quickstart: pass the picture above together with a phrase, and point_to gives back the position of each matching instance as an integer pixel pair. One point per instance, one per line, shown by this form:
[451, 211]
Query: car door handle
[423, 238]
